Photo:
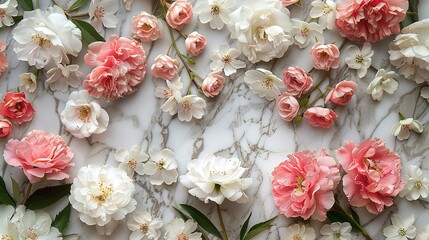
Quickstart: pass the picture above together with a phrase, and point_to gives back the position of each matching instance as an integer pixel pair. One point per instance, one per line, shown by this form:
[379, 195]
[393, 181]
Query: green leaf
[412, 13]
[191, 60]
[89, 34]
[258, 228]
[27, 5]
[5, 197]
[77, 4]
[401, 117]
[202, 220]
[337, 216]
[62, 219]
[297, 119]
[17, 19]
[47, 196]
[15, 189]
[244, 227]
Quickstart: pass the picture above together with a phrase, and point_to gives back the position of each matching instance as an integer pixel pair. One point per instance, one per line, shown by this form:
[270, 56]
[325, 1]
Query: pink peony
[325, 56]
[120, 66]
[165, 67]
[4, 64]
[213, 84]
[303, 185]
[146, 27]
[5, 128]
[179, 14]
[373, 174]
[288, 106]
[370, 20]
[342, 93]
[195, 44]
[40, 155]
[17, 108]
[320, 117]
[287, 3]
[296, 81]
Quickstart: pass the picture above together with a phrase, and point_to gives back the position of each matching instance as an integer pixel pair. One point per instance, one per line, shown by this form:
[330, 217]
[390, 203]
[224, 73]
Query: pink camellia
[179, 14]
[17, 108]
[287, 3]
[370, 20]
[120, 67]
[195, 43]
[320, 117]
[303, 185]
[4, 64]
[288, 106]
[41, 155]
[165, 67]
[296, 81]
[325, 56]
[342, 93]
[146, 27]
[213, 84]
[5, 128]
[372, 174]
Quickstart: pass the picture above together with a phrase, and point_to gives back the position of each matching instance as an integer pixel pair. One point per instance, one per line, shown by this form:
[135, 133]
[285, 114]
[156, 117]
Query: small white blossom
[187, 107]
[102, 12]
[301, 232]
[131, 161]
[401, 129]
[144, 226]
[127, 4]
[325, 11]
[7, 11]
[8, 230]
[360, 59]
[214, 11]
[225, 59]
[29, 81]
[401, 229]
[423, 235]
[416, 184]
[61, 77]
[336, 231]
[263, 83]
[383, 82]
[162, 167]
[178, 229]
[303, 32]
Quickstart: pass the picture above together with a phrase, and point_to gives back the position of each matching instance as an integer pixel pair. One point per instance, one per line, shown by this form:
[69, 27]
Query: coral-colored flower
[4, 64]
[303, 184]
[373, 174]
[146, 27]
[120, 67]
[195, 43]
[320, 117]
[165, 67]
[179, 14]
[325, 56]
[40, 155]
[370, 20]
[296, 81]
[288, 106]
[5, 128]
[17, 108]
[213, 84]
[289, 2]
[342, 93]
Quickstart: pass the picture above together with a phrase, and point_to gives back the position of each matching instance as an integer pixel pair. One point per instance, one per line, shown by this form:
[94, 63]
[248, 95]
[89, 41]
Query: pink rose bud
[17, 108]
[179, 14]
[289, 2]
[296, 81]
[213, 84]
[320, 117]
[146, 27]
[195, 44]
[165, 67]
[342, 93]
[288, 106]
[325, 56]
[5, 128]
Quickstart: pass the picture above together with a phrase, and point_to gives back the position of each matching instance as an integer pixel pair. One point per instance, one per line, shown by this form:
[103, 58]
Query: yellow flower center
[99, 12]
[160, 164]
[84, 113]
[402, 232]
[144, 228]
[186, 106]
[268, 83]
[146, 27]
[132, 164]
[215, 10]
[296, 237]
[182, 236]
[304, 32]
[31, 235]
[5, 237]
[418, 184]
[326, 10]
[41, 41]
[106, 191]
[299, 186]
[226, 59]
[359, 58]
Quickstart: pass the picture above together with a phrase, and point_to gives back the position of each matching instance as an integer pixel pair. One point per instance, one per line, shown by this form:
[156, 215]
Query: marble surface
[238, 123]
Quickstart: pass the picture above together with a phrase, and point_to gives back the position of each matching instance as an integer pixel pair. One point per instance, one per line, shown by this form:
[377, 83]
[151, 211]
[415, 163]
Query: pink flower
[296, 81]
[164, 67]
[287, 3]
[342, 93]
[17, 108]
[373, 174]
[5, 128]
[4, 64]
[195, 43]
[325, 56]
[303, 185]
[40, 155]
[120, 67]
[146, 27]
[288, 106]
[179, 14]
[320, 117]
[370, 20]
[213, 84]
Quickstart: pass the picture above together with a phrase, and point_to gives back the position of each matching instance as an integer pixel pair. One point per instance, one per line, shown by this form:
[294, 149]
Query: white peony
[131, 161]
[144, 226]
[263, 83]
[161, 167]
[177, 229]
[7, 11]
[383, 82]
[61, 77]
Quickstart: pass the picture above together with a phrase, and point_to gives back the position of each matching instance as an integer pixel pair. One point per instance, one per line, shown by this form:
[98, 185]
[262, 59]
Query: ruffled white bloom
[425, 93]
[187, 107]
[302, 232]
[8, 230]
[7, 11]
[131, 161]
[402, 229]
[416, 184]
[225, 59]
[178, 229]
[303, 33]
[45, 37]
[383, 82]
[423, 235]
[102, 12]
[29, 81]
[61, 77]
[83, 117]
[127, 4]
[214, 178]
[172, 89]
[102, 195]
[360, 59]
[214, 11]
[325, 12]
[161, 167]
[263, 83]
[336, 231]
[262, 29]
[144, 226]
[401, 129]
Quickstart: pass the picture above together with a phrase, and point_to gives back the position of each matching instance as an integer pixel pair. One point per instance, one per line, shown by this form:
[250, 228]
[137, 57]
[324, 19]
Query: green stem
[37, 3]
[222, 225]
[80, 15]
[316, 86]
[361, 229]
[27, 193]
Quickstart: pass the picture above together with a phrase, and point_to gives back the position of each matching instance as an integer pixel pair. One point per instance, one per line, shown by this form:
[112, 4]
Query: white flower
[425, 93]
[29, 81]
[144, 226]
[225, 59]
[173, 89]
[127, 4]
[83, 117]
[303, 33]
[401, 129]
[102, 195]
[162, 167]
[7, 11]
[214, 11]
[301, 232]
[261, 29]
[214, 178]
[61, 77]
[383, 82]
[263, 83]
[416, 184]
[8, 230]
[336, 231]
[132, 161]
[178, 229]
[402, 229]
[102, 12]
[325, 11]
[43, 37]
[360, 59]
[423, 235]
[187, 107]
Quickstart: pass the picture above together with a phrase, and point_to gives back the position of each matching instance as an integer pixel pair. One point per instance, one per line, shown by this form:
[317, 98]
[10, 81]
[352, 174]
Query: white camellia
[7, 11]
[263, 83]
[416, 184]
